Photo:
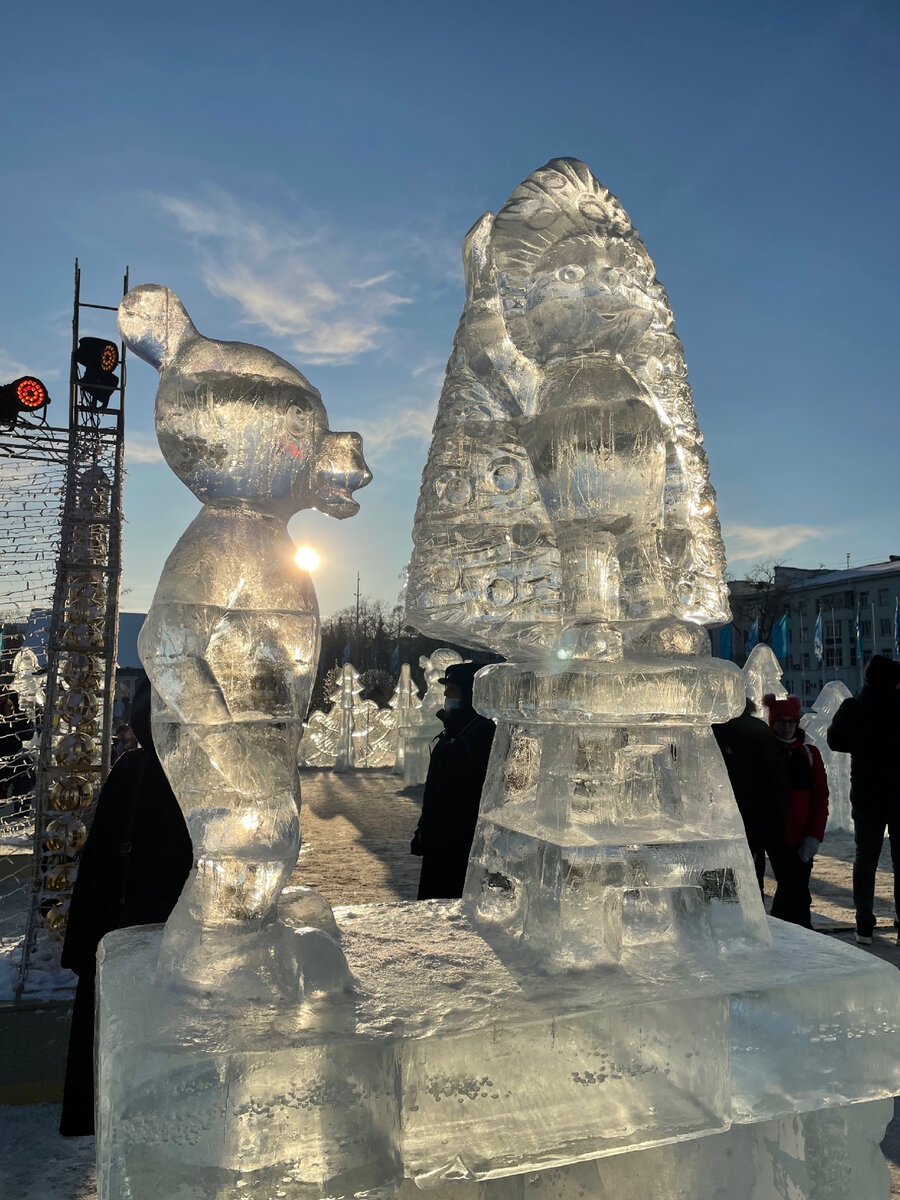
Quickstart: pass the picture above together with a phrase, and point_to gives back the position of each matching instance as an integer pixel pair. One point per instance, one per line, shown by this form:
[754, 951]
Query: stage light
[307, 558]
[98, 358]
[24, 395]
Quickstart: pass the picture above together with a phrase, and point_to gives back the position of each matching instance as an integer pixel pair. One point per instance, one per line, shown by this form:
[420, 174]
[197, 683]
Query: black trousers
[868, 832]
[792, 901]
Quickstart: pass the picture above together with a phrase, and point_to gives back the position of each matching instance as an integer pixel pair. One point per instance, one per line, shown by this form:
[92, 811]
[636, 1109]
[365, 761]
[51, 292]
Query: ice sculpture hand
[232, 639]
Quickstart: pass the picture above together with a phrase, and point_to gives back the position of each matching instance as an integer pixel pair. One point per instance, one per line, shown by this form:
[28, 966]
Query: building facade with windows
[871, 590]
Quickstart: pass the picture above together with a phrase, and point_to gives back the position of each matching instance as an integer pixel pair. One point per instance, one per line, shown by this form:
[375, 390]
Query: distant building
[129, 671]
[802, 593]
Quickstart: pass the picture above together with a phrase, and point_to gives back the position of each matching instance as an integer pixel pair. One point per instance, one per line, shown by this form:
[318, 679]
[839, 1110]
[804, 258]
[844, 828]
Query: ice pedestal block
[451, 1062]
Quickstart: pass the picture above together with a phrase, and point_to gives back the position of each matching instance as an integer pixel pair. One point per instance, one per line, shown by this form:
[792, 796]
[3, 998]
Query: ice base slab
[458, 1060]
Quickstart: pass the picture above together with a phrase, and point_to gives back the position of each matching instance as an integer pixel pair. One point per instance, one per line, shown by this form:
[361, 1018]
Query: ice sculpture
[354, 733]
[423, 725]
[762, 675]
[607, 1011]
[404, 703]
[231, 640]
[837, 766]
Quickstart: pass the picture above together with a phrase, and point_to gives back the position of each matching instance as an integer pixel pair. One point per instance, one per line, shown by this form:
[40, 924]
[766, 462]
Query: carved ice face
[584, 297]
[237, 423]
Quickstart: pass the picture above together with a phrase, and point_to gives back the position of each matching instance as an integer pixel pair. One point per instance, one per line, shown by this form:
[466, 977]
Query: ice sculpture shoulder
[231, 641]
[567, 481]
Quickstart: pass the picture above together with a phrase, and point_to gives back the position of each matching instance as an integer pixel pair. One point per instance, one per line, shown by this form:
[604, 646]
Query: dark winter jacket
[867, 727]
[453, 786]
[756, 771]
[130, 872]
[807, 784]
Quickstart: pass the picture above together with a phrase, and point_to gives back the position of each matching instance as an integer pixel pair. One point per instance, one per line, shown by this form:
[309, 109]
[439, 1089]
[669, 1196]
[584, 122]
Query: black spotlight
[98, 359]
[24, 395]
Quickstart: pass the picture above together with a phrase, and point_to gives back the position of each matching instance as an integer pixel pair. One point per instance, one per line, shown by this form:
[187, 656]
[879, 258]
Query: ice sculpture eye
[570, 274]
[506, 475]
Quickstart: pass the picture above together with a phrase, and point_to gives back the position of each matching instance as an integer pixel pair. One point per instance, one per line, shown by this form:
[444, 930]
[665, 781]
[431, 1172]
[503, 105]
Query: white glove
[808, 848]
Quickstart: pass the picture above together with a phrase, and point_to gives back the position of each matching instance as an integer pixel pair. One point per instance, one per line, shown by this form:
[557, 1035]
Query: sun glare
[307, 558]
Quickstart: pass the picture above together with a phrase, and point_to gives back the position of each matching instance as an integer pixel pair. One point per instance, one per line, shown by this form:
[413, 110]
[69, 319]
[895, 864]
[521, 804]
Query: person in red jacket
[807, 812]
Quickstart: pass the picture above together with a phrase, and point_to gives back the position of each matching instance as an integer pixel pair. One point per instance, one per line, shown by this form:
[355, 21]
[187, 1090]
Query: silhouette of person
[456, 772]
[867, 727]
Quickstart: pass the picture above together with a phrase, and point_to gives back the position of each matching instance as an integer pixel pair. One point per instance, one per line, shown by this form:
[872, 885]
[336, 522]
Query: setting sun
[307, 558]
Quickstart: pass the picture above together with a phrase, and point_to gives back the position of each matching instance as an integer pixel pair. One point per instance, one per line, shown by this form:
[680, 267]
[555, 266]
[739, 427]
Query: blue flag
[725, 642]
[818, 640]
[395, 660]
[781, 636]
[752, 637]
[897, 629]
[346, 657]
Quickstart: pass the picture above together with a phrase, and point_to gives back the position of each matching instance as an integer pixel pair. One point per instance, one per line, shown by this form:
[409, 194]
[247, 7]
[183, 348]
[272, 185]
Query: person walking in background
[131, 872]
[803, 773]
[867, 727]
[456, 772]
[754, 765]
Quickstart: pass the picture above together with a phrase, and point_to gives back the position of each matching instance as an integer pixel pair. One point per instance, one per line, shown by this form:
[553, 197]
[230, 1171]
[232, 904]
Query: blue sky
[302, 175]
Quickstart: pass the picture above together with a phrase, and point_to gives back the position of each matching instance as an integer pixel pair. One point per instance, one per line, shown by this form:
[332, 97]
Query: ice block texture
[353, 733]
[232, 638]
[422, 724]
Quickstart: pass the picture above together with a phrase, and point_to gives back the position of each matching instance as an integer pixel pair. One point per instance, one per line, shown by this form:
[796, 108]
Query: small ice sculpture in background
[837, 766]
[423, 724]
[353, 733]
[404, 703]
[231, 639]
[762, 675]
[29, 686]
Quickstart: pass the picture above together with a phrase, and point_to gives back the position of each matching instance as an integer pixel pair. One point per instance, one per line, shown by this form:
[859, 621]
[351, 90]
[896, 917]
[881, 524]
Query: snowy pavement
[356, 830]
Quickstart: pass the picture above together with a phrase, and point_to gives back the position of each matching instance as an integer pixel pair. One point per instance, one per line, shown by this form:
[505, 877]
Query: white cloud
[751, 543]
[406, 423]
[11, 368]
[311, 287]
[142, 448]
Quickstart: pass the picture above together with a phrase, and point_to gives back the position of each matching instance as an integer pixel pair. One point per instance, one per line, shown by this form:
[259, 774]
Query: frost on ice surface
[231, 640]
[762, 677]
[837, 766]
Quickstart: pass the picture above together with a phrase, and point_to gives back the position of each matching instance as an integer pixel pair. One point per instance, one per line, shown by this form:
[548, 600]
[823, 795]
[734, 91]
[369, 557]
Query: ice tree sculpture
[837, 766]
[423, 725]
[231, 640]
[762, 677]
[404, 703]
[354, 733]
[607, 1011]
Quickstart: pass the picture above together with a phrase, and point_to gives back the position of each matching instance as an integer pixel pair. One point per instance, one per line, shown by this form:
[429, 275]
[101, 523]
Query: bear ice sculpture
[231, 641]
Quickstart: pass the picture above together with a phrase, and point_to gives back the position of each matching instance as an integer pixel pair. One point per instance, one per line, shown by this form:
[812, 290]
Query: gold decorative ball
[65, 835]
[75, 752]
[55, 920]
[60, 878]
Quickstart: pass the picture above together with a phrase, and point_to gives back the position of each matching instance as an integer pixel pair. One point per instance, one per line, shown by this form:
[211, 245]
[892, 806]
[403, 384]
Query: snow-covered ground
[36, 1163]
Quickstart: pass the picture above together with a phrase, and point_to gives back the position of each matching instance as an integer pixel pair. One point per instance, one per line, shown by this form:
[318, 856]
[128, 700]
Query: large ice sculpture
[837, 766]
[762, 677]
[607, 1011]
[231, 640]
[423, 725]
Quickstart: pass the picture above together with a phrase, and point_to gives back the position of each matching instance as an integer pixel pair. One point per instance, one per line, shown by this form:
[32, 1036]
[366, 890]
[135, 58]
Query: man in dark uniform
[459, 760]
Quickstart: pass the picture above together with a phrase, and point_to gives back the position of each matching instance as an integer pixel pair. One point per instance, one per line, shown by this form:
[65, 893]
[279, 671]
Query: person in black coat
[131, 871]
[867, 727]
[456, 772]
[753, 760]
